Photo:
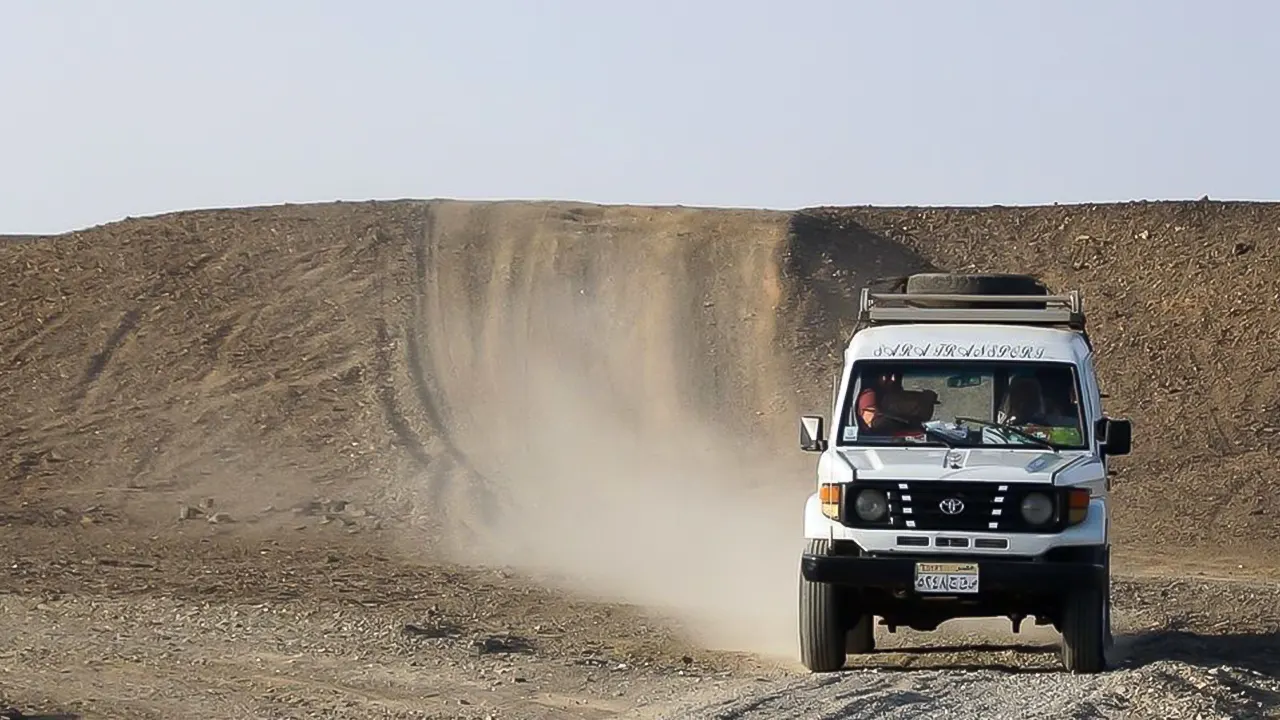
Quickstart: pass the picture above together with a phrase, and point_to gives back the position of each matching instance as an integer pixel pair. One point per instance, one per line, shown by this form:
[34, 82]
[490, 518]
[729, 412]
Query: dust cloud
[611, 485]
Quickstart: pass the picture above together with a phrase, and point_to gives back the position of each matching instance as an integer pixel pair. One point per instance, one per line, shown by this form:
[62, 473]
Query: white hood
[976, 464]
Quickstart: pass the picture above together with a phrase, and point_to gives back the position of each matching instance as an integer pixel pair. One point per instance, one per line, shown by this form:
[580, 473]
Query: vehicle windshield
[963, 404]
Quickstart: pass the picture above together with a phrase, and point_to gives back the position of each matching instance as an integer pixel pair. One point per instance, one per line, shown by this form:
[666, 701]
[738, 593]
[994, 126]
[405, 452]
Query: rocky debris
[336, 512]
[320, 506]
[341, 512]
[194, 512]
[16, 714]
[491, 644]
[13, 713]
[433, 630]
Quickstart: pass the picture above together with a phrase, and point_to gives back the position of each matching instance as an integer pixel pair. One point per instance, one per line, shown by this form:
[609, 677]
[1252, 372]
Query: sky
[115, 108]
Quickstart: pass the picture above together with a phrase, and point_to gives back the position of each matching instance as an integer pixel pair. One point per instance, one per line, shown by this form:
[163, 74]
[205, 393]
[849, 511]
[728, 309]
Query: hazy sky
[133, 107]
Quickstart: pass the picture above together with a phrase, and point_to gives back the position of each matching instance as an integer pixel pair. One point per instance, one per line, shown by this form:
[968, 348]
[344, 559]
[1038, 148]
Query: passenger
[1062, 408]
[1023, 403]
[1028, 408]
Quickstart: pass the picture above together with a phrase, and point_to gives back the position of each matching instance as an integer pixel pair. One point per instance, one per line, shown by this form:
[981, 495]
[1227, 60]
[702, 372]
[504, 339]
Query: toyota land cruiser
[966, 475]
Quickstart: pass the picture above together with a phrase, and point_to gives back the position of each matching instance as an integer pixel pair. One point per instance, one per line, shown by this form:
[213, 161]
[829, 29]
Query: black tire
[975, 284]
[822, 626]
[1084, 620]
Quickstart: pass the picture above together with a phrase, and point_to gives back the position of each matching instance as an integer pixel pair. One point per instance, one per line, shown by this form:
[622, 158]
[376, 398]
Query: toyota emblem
[951, 506]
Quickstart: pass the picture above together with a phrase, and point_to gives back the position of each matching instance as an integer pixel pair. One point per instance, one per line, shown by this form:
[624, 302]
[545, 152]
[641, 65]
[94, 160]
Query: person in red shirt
[906, 420]
[869, 417]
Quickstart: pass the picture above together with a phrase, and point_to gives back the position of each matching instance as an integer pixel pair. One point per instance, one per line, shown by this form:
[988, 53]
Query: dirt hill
[258, 353]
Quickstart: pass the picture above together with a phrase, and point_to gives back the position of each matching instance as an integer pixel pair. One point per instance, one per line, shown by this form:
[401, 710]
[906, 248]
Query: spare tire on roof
[975, 284]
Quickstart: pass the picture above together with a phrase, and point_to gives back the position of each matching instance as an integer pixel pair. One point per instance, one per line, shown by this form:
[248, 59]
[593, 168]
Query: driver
[869, 415]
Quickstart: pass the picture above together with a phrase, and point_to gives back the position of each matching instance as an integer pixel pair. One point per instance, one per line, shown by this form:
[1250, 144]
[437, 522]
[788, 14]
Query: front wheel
[1084, 631]
[822, 632]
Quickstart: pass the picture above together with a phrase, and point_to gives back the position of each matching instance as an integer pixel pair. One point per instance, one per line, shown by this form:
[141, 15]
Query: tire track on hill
[98, 361]
[393, 415]
[48, 326]
[164, 283]
[451, 492]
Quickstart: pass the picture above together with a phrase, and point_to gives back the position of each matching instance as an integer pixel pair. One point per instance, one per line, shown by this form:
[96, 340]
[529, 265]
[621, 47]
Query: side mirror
[1116, 436]
[811, 436]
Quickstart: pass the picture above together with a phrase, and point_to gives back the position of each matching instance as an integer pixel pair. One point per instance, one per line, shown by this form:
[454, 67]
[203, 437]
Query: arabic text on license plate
[947, 578]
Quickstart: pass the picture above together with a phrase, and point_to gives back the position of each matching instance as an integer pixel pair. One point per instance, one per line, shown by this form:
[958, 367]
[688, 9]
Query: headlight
[871, 505]
[1037, 508]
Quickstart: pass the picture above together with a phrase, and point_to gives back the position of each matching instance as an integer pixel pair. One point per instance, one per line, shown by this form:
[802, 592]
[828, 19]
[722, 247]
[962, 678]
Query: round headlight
[1037, 508]
[871, 505]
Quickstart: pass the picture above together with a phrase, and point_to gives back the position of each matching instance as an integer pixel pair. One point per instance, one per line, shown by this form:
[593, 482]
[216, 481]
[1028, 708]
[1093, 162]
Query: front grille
[976, 506]
[958, 506]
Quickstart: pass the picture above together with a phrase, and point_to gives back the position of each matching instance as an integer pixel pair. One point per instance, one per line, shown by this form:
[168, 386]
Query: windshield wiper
[1020, 433]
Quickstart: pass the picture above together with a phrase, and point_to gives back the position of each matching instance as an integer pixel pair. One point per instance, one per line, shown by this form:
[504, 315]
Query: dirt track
[506, 384]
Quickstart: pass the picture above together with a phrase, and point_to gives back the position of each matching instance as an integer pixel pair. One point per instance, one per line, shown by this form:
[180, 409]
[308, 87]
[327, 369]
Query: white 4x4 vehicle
[966, 474]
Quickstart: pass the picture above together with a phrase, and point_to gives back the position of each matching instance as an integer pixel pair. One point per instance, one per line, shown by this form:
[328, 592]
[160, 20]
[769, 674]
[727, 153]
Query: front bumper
[897, 574]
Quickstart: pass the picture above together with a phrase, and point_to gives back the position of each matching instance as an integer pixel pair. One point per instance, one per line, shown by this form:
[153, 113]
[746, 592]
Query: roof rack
[895, 308]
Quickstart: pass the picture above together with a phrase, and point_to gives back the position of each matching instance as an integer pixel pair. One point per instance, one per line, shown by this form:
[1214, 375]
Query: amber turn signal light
[829, 495]
[1077, 506]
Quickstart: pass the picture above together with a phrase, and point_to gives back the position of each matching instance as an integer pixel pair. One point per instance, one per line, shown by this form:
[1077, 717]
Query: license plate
[947, 578]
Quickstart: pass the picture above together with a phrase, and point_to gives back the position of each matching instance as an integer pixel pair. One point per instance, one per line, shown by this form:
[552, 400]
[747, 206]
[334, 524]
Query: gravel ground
[1185, 649]
[206, 627]
[172, 658]
[1162, 690]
